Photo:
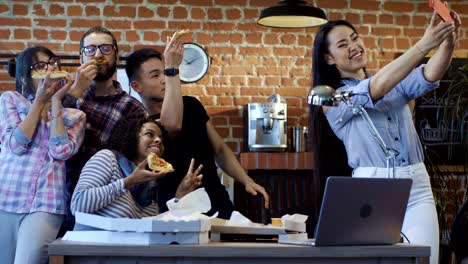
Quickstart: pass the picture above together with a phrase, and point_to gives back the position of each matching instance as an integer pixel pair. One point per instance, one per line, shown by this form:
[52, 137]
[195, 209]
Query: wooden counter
[276, 160]
[288, 179]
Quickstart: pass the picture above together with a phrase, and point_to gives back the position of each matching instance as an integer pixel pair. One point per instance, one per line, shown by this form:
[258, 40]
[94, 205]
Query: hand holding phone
[441, 9]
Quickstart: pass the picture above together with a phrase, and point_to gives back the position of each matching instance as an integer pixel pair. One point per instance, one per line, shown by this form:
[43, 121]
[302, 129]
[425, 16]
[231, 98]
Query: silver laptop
[362, 211]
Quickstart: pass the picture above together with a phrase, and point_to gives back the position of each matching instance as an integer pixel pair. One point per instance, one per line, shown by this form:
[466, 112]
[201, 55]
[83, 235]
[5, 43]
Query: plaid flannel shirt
[32, 171]
[102, 113]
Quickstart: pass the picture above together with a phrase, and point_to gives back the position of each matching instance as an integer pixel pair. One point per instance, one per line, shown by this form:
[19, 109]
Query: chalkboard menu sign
[438, 133]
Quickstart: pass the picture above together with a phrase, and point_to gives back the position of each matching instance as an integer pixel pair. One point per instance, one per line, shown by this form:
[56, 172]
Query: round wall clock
[194, 64]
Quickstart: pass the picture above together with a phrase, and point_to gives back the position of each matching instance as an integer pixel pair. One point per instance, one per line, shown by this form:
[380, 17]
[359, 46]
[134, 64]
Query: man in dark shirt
[96, 93]
[191, 133]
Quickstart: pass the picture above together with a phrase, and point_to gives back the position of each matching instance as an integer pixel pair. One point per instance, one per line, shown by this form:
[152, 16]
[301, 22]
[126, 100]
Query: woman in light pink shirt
[37, 136]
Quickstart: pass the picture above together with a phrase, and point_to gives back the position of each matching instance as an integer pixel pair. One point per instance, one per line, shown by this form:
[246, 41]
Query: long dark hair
[329, 153]
[124, 136]
[20, 69]
[325, 74]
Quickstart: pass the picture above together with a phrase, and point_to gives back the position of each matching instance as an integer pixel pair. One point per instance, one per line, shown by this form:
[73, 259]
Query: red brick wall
[249, 62]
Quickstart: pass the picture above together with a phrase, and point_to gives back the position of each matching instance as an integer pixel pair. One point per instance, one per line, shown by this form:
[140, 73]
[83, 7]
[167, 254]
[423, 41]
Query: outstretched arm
[229, 163]
[393, 73]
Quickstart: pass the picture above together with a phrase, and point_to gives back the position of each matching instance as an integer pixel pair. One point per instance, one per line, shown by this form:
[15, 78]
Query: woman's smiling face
[149, 141]
[346, 52]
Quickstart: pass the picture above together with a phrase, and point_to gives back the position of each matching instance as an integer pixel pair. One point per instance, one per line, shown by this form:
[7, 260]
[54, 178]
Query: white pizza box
[295, 222]
[294, 226]
[296, 239]
[144, 224]
[138, 238]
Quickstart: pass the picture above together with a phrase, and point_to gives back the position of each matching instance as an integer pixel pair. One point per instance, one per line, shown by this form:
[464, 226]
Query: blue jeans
[24, 237]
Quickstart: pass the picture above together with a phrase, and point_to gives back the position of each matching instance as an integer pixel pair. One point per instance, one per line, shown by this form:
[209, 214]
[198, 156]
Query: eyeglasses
[43, 66]
[90, 50]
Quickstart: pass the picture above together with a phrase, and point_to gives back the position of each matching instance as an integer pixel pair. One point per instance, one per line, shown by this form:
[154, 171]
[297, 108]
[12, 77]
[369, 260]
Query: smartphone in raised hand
[441, 9]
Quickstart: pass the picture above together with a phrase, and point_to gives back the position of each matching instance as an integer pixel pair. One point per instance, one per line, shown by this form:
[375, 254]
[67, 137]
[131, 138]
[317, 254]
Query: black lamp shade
[292, 14]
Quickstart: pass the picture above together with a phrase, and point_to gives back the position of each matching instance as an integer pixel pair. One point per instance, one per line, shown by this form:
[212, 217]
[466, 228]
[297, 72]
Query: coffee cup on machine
[267, 125]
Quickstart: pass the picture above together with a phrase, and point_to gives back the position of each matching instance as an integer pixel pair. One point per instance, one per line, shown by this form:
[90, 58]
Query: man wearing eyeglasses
[96, 93]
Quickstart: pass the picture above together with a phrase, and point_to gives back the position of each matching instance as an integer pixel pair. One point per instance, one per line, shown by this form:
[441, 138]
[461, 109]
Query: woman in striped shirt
[37, 137]
[115, 182]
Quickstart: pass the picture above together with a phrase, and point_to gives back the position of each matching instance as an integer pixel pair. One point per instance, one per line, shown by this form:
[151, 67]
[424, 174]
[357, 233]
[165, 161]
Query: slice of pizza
[158, 164]
[179, 33]
[53, 75]
[101, 61]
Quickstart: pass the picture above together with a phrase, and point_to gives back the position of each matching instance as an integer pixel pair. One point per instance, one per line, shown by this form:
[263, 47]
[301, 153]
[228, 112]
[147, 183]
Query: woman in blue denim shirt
[339, 61]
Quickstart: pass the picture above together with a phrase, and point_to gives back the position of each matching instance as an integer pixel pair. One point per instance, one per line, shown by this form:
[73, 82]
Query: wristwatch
[171, 72]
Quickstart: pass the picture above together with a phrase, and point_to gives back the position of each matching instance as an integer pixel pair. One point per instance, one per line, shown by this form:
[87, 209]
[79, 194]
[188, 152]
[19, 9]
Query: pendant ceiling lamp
[292, 14]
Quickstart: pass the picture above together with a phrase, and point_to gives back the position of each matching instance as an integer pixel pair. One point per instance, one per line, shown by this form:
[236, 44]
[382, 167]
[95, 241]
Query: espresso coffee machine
[267, 126]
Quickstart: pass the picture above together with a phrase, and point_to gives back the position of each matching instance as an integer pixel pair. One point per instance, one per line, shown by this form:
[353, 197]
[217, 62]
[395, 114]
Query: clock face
[194, 64]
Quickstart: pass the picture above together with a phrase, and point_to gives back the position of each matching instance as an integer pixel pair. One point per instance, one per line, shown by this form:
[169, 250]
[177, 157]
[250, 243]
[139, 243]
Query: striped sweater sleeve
[100, 184]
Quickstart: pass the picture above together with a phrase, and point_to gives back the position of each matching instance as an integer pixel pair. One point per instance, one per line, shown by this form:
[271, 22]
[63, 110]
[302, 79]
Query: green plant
[449, 173]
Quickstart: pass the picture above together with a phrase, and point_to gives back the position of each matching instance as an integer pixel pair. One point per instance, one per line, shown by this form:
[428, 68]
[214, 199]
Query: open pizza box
[182, 224]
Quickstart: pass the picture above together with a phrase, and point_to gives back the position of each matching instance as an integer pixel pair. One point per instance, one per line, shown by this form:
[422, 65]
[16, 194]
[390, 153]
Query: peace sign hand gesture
[191, 181]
